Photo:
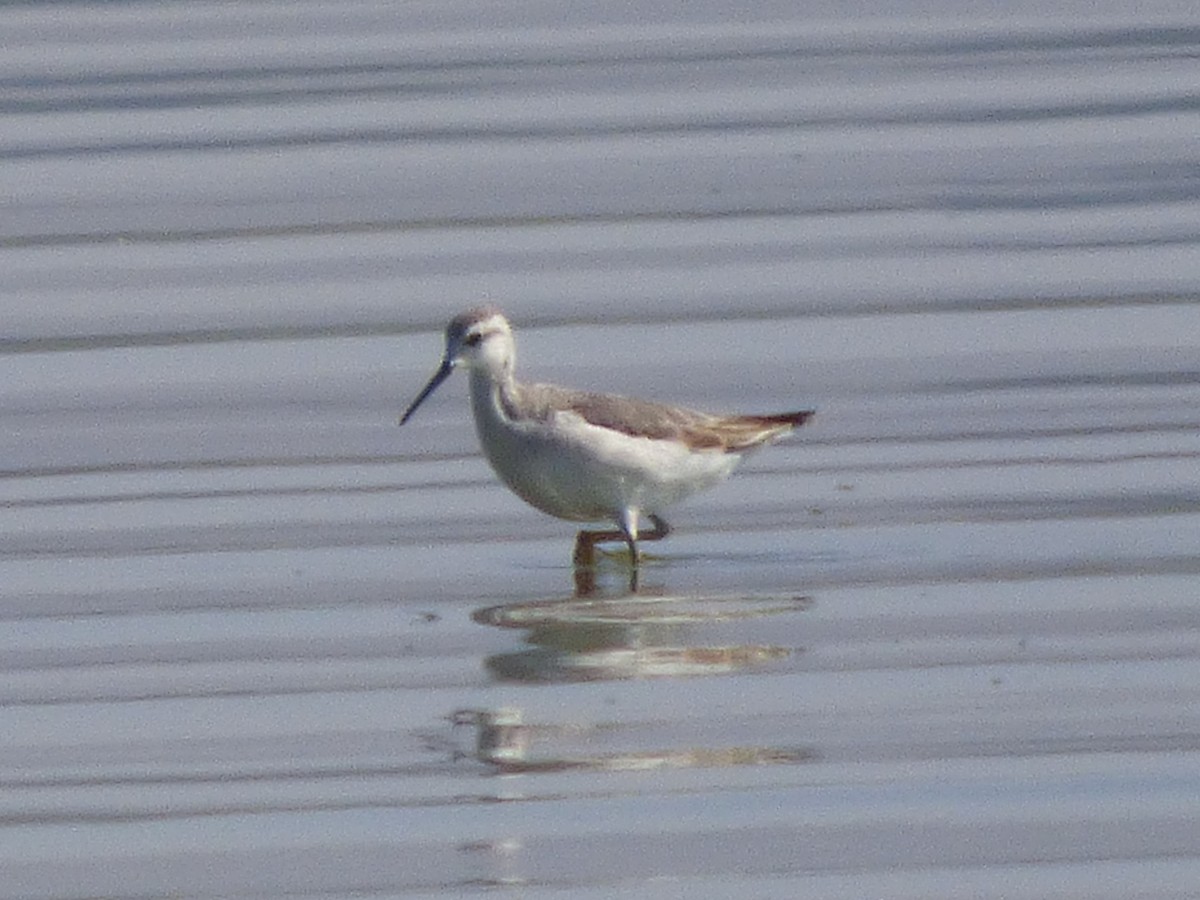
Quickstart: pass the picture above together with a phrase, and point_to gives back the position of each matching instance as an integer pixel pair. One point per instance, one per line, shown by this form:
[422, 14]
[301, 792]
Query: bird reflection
[598, 638]
[504, 741]
[631, 636]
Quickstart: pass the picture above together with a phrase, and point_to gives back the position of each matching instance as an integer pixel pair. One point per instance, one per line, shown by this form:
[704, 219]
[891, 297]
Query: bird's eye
[473, 339]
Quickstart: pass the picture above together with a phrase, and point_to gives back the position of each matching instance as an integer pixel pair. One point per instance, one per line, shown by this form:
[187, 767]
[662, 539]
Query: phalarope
[590, 457]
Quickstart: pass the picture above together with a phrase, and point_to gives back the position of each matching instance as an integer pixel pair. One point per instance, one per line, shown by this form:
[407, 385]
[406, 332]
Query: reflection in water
[585, 565]
[505, 741]
[499, 862]
[501, 737]
[597, 638]
[604, 638]
[585, 577]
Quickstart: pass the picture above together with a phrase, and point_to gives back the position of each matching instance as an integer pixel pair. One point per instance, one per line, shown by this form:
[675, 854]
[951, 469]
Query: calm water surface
[259, 642]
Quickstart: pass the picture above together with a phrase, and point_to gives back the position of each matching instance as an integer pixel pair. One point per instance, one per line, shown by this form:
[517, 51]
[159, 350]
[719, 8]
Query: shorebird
[589, 457]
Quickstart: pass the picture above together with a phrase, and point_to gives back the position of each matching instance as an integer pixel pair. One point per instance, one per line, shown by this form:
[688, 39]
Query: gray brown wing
[658, 421]
[625, 414]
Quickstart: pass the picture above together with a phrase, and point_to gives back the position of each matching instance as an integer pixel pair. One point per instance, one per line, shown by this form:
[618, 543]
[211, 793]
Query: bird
[591, 457]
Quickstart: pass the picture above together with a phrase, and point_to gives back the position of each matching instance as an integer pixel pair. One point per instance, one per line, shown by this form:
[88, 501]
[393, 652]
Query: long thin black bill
[439, 376]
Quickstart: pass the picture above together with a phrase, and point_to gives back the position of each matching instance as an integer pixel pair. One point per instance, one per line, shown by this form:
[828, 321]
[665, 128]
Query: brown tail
[795, 419]
[739, 433]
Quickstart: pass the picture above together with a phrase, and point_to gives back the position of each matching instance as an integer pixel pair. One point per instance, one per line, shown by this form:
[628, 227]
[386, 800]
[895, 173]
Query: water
[260, 642]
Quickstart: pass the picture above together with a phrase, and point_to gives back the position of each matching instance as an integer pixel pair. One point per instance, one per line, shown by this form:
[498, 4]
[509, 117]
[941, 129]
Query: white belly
[574, 470]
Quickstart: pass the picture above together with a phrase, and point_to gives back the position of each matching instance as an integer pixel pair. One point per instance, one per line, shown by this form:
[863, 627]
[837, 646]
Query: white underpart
[575, 470]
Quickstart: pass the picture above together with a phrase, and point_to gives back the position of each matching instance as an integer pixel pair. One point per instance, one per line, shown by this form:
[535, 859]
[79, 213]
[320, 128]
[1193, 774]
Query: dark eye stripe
[473, 339]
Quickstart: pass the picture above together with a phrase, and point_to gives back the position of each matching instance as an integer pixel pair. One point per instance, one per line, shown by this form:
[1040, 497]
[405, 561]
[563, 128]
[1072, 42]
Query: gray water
[259, 642]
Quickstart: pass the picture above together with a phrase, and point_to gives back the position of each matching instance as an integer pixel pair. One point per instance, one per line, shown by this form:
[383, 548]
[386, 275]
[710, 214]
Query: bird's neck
[492, 396]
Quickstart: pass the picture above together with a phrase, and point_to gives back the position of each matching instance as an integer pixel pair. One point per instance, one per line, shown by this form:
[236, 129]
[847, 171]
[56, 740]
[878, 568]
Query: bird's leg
[584, 557]
[585, 581]
[629, 532]
[661, 530]
[586, 541]
[585, 546]
[583, 560]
